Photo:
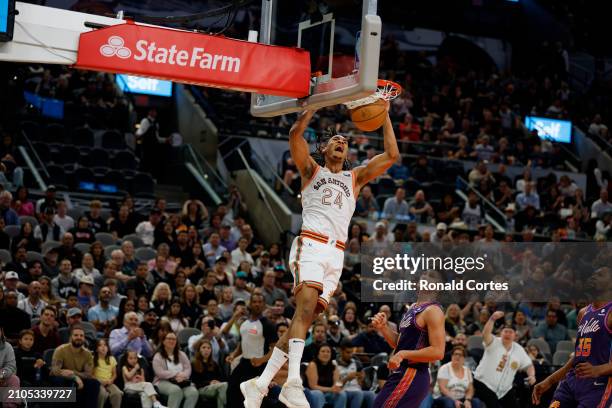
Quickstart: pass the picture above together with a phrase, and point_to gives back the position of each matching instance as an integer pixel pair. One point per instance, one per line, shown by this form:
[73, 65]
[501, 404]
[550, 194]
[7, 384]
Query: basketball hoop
[387, 90]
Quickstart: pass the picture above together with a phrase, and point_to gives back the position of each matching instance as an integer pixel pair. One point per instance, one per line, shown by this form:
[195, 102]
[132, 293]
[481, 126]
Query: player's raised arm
[381, 162]
[300, 151]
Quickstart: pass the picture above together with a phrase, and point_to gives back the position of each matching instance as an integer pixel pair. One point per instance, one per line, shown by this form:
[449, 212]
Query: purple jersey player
[420, 341]
[588, 375]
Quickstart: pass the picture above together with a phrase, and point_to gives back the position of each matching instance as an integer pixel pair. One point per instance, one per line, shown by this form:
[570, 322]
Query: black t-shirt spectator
[206, 295]
[25, 367]
[97, 224]
[14, 320]
[83, 235]
[122, 228]
[185, 255]
[5, 240]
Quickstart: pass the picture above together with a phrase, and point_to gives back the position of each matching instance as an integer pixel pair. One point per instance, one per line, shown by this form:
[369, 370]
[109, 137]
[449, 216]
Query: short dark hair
[76, 327]
[51, 308]
[25, 332]
[459, 348]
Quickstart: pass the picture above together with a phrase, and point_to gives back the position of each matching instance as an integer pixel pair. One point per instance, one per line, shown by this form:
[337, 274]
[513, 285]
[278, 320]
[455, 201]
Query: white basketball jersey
[328, 203]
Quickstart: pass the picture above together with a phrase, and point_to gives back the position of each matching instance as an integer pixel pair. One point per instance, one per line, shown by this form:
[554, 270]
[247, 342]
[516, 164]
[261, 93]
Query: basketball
[369, 117]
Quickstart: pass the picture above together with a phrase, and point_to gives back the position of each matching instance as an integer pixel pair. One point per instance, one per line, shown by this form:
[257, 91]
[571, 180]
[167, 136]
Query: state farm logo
[115, 46]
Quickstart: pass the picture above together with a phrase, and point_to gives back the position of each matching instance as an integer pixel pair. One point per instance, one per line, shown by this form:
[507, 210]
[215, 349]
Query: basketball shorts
[317, 262]
[404, 389]
[583, 393]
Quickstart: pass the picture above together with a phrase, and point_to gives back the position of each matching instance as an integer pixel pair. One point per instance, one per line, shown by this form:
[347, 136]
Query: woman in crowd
[22, 204]
[194, 213]
[206, 374]
[523, 327]
[356, 232]
[175, 316]
[46, 294]
[105, 371]
[350, 324]
[199, 264]
[25, 239]
[162, 329]
[189, 304]
[97, 252]
[455, 384]
[454, 323]
[164, 235]
[82, 232]
[180, 280]
[173, 372]
[160, 299]
[126, 305]
[134, 380]
[276, 255]
[324, 379]
[226, 303]
[352, 256]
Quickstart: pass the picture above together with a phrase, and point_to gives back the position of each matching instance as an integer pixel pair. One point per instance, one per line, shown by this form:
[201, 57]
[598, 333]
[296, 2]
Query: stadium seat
[12, 230]
[379, 359]
[98, 157]
[572, 333]
[76, 212]
[542, 345]
[26, 218]
[134, 239]
[31, 129]
[145, 254]
[184, 335]
[143, 184]
[32, 256]
[112, 139]
[561, 357]
[55, 132]
[474, 342]
[57, 174]
[83, 137]
[46, 246]
[125, 160]
[83, 247]
[109, 249]
[370, 378]
[105, 238]
[69, 154]
[83, 174]
[565, 345]
[43, 151]
[5, 256]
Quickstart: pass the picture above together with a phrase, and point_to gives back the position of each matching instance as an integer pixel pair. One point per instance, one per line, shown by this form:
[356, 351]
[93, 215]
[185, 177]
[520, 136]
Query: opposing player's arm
[381, 162]
[380, 323]
[300, 152]
[434, 321]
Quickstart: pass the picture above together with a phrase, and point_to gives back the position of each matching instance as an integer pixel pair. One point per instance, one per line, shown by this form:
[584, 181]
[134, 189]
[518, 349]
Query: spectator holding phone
[213, 334]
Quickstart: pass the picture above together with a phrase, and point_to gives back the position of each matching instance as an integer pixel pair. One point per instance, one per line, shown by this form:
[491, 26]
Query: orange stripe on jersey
[315, 234]
[606, 396]
[401, 388]
[314, 173]
[354, 177]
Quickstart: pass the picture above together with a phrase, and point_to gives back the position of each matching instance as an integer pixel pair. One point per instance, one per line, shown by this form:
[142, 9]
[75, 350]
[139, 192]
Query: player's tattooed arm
[300, 151]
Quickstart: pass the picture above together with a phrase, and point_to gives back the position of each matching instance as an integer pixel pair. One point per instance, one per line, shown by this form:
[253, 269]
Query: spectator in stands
[25, 239]
[396, 208]
[160, 299]
[49, 200]
[35, 271]
[72, 364]
[419, 208]
[366, 203]
[455, 382]
[181, 249]
[529, 197]
[97, 253]
[31, 368]
[82, 232]
[6, 212]
[103, 315]
[46, 292]
[502, 359]
[19, 265]
[566, 186]
[94, 216]
[5, 239]
[241, 253]
[421, 171]
[33, 305]
[141, 284]
[65, 283]
[480, 172]
[523, 327]
[130, 337]
[369, 341]
[254, 247]
[123, 224]
[380, 239]
[473, 214]
[207, 375]
[11, 283]
[146, 229]
[318, 337]
[324, 379]
[240, 290]
[160, 273]
[213, 248]
[61, 217]
[551, 331]
[502, 195]
[603, 227]
[134, 380]
[398, 171]
[175, 317]
[447, 211]
[45, 332]
[483, 149]
[601, 205]
[13, 319]
[226, 239]
[172, 374]
[48, 230]
[74, 317]
[210, 331]
[454, 323]
[8, 367]
[68, 251]
[270, 291]
[23, 205]
[130, 263]
[105, 371]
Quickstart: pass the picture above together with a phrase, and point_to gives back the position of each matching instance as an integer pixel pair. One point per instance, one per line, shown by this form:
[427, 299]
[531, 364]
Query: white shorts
[316, 265]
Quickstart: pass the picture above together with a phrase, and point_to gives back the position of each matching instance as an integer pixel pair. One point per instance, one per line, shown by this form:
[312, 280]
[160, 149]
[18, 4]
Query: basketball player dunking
[588, 375]
[329, 196]
[421, 340]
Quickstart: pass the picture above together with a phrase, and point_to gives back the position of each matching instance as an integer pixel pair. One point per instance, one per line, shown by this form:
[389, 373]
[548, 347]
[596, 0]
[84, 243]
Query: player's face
[600, 279]
[337, 148]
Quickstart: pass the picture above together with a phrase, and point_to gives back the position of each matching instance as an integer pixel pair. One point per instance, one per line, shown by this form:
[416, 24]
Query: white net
[387, 90]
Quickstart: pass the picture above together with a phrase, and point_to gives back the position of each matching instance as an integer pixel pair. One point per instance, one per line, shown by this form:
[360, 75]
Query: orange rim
[389, 88]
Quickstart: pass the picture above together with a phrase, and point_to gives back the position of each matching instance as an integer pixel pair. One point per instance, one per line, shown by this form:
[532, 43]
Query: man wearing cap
[9, 215]
[213, 248]
[10, 283]
[129, 337]
[334, 334]
[240, 289]
[380, 240]
[47, 201]
[48, 230]
[262, 263]
[33, 304]
[396, 207]
[74, 316]
[502, 359]
[226, 239]
[509, 212]
[441, 229]
[85, 293]
[146, 229]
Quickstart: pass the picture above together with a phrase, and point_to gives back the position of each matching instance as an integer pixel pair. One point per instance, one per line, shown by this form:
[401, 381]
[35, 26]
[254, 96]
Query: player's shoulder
[433, 311]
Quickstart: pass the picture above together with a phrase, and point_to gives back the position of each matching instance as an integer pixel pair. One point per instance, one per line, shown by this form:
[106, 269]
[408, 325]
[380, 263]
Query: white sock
[275, 363]
[296, 349]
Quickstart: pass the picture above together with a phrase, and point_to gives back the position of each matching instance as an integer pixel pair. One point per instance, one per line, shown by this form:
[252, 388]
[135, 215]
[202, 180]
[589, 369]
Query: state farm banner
[195, 58]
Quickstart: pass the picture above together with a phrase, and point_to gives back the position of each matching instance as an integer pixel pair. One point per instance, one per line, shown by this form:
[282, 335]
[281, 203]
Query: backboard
[344, 44]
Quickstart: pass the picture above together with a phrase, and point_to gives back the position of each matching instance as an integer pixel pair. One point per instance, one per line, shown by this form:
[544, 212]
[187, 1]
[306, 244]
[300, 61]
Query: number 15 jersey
[328, 203]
